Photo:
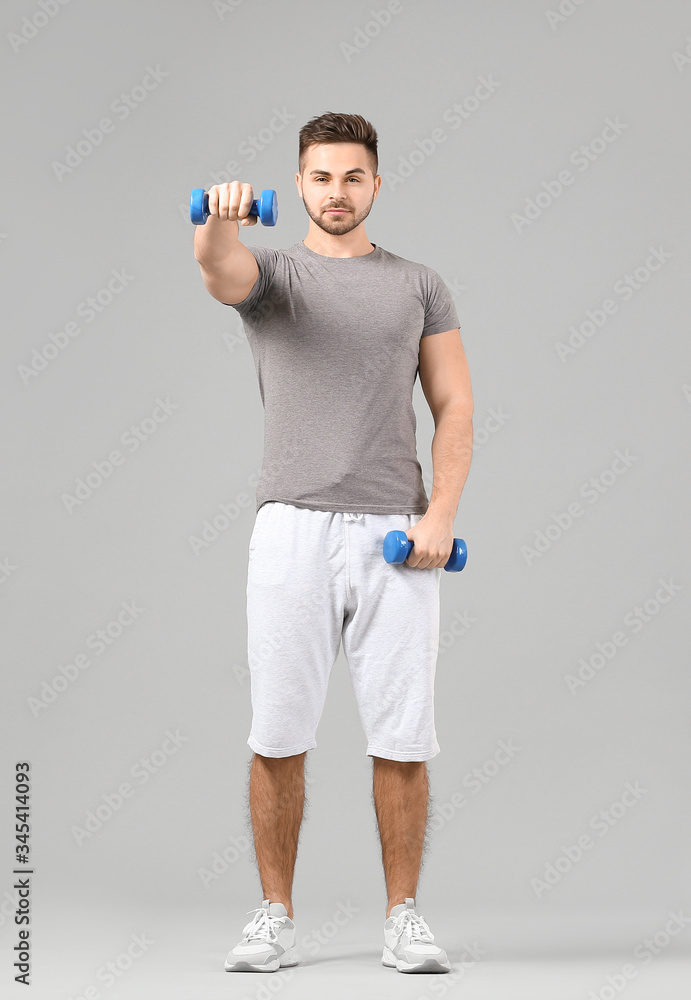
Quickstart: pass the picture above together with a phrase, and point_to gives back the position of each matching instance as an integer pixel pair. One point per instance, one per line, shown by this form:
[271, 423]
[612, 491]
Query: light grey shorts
[316, 577]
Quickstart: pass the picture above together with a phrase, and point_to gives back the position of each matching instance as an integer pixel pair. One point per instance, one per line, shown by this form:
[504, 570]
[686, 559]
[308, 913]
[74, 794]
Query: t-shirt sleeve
[440, 311]
[266, 258]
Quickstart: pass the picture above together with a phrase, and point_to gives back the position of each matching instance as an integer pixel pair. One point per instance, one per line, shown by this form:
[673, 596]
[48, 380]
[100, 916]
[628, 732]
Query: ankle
[391, 905]
[281, 899]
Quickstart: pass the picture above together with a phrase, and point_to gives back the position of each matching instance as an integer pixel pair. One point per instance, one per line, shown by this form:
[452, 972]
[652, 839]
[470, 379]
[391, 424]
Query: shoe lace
[415, 925]
[262, 925]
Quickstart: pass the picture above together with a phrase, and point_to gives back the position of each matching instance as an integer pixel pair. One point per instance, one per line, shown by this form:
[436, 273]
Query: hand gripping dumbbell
[397, 548]
[265, 206]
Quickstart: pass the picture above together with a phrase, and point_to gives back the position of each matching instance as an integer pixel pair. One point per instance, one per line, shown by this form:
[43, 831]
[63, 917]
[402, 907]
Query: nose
[336, 193]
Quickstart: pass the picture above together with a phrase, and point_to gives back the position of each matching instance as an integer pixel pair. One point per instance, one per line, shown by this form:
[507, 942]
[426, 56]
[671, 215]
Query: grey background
[182, 664]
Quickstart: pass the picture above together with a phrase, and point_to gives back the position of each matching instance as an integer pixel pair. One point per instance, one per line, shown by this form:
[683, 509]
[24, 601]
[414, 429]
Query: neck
[353, 244]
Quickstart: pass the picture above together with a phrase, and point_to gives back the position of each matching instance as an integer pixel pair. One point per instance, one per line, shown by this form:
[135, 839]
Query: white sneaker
[268, 941]
[409, 943]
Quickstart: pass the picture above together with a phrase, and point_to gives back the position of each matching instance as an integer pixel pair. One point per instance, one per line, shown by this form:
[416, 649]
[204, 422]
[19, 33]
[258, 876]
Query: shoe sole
[288, 960]
[427, 965]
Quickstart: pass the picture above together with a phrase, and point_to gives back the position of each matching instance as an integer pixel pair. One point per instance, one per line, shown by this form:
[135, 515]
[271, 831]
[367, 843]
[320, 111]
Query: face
[337, 175]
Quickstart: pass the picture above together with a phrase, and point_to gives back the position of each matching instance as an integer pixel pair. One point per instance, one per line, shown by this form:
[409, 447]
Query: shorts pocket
[269, 562]
[259, 520]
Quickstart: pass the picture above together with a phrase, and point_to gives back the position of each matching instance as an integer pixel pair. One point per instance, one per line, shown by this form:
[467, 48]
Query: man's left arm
[445, 381]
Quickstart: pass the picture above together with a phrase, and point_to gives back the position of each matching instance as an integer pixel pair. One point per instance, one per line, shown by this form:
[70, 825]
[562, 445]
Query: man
[339, 328]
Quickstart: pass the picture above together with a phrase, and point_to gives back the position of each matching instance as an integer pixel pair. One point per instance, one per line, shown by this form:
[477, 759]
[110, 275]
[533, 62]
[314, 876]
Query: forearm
[215, 241]
[452, 450]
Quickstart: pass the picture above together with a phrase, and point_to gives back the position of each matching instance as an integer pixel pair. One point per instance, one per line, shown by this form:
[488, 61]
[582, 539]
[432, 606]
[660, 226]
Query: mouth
[337, 211]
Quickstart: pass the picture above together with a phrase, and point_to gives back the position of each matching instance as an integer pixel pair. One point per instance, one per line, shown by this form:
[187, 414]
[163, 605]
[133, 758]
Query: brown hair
[334, 127]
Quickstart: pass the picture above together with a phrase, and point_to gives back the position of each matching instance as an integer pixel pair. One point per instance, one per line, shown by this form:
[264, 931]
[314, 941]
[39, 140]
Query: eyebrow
[355, 170]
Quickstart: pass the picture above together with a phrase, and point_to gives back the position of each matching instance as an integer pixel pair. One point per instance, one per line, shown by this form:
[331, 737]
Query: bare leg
[401, 795]
[276, 801]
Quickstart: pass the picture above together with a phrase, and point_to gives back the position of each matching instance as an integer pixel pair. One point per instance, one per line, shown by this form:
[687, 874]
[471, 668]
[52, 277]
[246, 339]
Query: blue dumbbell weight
[265, 206]
[397, 548]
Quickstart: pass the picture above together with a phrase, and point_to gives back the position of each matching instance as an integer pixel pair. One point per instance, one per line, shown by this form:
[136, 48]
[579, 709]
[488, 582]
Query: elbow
[459, 410]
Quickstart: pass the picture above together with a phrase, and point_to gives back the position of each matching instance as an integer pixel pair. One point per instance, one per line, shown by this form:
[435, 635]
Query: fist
[232, 202]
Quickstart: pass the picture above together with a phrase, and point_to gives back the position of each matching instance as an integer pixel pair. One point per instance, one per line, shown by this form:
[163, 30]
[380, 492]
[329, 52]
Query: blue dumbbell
[265, 206]
[397, 548]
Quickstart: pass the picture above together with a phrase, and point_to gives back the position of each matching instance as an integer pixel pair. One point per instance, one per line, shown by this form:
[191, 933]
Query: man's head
[337, 168]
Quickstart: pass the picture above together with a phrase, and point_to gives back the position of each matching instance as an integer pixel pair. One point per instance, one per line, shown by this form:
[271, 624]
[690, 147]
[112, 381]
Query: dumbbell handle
[397, 548]
[265, 207]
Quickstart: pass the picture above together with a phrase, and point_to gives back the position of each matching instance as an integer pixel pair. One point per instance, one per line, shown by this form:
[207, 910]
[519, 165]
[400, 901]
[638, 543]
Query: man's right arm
[228, 269]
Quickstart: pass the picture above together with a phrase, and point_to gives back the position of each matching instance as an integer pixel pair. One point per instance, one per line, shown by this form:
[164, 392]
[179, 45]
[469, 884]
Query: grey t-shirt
[335, 342]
